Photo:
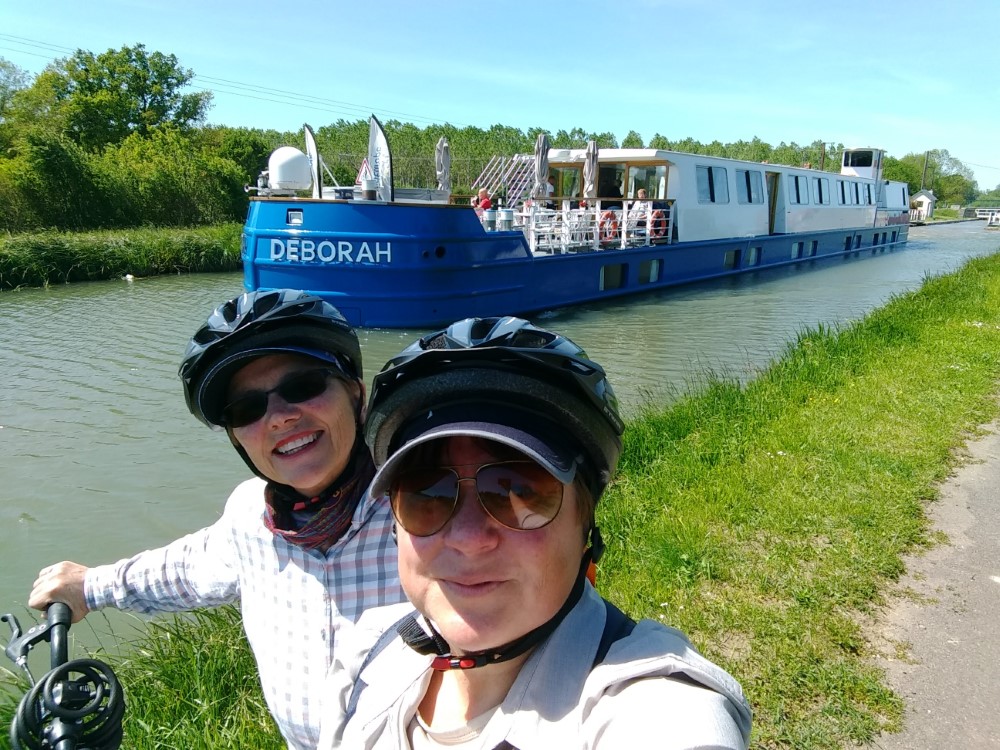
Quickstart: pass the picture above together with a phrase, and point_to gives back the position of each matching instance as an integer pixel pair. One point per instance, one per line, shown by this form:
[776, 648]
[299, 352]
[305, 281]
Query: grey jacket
[653, 689]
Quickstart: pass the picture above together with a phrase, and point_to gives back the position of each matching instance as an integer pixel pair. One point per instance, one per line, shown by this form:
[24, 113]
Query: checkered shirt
[296, 603]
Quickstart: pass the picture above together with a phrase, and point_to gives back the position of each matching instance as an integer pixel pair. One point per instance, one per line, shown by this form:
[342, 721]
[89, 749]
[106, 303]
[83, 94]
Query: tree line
[111, 140]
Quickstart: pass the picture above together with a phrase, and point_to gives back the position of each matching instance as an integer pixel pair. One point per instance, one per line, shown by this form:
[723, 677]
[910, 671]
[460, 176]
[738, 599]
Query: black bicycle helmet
[498, 377]
[498, 369]
[259, 323]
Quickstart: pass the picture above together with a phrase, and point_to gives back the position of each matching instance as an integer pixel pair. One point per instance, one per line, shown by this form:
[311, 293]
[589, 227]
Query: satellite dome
[289, 169]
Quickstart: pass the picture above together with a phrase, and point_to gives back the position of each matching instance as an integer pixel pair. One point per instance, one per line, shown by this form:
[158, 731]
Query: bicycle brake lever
[20, 645]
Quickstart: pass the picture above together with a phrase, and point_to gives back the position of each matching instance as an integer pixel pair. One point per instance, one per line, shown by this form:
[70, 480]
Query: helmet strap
[596, 550]
[417, 638]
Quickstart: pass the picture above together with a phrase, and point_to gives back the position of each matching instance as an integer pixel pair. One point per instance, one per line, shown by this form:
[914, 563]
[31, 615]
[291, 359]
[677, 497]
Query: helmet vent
[436, 342]
[482, 328]
[528, 340]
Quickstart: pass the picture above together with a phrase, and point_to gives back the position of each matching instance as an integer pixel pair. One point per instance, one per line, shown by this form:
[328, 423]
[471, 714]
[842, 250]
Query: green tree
[955, 188]
[660, 142]
[632, 140]
[935, 170]
[99, 100]
[173, 183]
[12, 80]
[63, 183]
[247, 148]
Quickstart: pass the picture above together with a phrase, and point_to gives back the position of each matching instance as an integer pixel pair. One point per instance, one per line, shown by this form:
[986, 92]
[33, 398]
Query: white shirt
[652, 690]
[296, 603]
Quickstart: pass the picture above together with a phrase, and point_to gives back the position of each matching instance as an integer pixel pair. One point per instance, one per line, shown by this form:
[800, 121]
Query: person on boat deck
[482, 200]
[639, 209]
[495, 440]
[550, 189]
[610, 190]
[302, 547]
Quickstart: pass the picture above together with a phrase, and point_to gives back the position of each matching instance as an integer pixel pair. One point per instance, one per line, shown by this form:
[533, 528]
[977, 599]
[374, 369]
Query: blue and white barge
[615, 222]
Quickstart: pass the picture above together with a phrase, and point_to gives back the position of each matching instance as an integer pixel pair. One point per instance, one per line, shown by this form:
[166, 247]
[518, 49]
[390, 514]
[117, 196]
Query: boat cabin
[649, 196]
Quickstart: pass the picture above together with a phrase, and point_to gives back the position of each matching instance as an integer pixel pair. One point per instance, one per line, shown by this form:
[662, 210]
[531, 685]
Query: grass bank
[765, 520]
[39, 259]
[768, 521]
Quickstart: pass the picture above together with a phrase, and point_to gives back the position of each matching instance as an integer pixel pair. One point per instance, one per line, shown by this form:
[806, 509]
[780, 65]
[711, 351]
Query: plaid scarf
[330, 512]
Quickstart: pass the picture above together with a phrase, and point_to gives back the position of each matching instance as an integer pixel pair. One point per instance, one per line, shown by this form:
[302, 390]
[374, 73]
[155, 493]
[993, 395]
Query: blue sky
[904, 76]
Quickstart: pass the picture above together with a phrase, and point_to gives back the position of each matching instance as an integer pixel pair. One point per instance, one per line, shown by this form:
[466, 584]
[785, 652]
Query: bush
[43, 258]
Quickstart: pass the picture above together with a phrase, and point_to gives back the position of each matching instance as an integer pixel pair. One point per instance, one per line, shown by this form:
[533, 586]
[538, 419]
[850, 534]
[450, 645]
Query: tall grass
[43, 258]
[190, 683]
[767, 520]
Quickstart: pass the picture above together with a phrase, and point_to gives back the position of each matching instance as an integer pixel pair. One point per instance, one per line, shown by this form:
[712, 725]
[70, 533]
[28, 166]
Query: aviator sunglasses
[295, 389]
[520, 495]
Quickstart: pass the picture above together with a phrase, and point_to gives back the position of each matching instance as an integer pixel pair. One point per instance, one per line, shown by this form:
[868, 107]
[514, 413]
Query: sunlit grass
[768, 520]
[43, 258]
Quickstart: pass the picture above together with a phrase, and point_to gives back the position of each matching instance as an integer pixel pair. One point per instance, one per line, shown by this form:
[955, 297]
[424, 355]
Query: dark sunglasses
[520, 495]
[302, 386]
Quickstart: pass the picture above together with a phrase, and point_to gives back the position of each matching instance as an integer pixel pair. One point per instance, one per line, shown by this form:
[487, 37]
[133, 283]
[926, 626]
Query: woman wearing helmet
[495, 440]
[302, 547]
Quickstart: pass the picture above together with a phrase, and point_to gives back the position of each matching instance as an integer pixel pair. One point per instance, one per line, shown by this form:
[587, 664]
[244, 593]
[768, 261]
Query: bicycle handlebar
[61, 711]
[59, 616]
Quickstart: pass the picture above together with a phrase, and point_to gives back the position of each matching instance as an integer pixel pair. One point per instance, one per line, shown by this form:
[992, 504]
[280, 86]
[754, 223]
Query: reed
[767, 519]
[38, 259]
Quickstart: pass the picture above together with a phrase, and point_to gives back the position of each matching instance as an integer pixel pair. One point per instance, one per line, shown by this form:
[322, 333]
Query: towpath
[949, 615]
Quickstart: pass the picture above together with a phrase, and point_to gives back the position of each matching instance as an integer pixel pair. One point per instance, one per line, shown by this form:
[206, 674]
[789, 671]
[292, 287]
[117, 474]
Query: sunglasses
[295, 389]
[520, 495]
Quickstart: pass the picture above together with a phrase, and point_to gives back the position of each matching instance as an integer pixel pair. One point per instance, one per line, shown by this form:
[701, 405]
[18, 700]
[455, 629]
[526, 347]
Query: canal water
[99, 457]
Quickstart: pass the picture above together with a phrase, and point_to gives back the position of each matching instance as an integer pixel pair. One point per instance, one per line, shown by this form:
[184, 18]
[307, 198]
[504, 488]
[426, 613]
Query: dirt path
[950, 675]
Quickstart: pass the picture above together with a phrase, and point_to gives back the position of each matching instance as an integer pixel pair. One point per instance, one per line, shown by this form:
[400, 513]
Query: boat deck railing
[573, 228]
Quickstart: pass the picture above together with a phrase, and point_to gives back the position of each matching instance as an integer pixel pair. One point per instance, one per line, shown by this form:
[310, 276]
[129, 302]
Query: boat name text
[328, 251]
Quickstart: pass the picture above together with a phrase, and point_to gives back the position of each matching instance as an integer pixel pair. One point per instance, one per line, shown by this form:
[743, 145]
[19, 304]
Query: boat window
[731, 261]
[813, 246]
[821, 191]
[649, 271]
[568, 181]
[713, 185]
[797, 250]
[749, 186]
[855, 194]
[849, 191]
[868, 194]
[847, 243]
[841, 193]
[613, 276]
[857, 158]
[798, 192]
[610, 178]
[753, 256]
[651, 177]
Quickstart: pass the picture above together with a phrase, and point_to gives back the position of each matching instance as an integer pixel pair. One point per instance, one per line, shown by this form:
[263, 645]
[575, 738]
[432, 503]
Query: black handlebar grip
[59, 617]
[59, 613]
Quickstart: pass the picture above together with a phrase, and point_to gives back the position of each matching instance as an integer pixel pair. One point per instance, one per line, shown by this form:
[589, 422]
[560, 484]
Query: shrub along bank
[43, 258]
[765, 520]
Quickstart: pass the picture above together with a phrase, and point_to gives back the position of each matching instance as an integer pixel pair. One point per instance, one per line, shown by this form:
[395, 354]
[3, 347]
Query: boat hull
[420, 265]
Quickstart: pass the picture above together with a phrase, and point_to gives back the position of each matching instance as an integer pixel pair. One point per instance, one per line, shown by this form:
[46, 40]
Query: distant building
[922, 205]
